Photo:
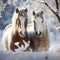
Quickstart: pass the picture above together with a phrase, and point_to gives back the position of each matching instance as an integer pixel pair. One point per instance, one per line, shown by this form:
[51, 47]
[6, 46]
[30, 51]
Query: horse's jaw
[38, 36]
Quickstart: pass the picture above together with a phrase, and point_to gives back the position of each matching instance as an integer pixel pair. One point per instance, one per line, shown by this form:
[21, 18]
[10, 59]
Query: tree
[57, 7]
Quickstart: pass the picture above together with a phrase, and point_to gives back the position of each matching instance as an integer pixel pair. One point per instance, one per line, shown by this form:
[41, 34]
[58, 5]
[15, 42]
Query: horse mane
[14, 18]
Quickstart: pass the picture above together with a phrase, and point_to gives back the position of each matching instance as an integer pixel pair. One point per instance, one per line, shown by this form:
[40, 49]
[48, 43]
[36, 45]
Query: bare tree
[56, 14]
[57, 7]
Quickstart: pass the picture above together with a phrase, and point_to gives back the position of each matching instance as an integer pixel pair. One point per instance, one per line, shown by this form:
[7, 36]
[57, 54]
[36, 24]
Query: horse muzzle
[38, 34]
[22, 34]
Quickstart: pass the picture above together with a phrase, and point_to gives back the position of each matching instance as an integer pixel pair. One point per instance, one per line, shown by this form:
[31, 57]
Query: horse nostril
[20, 32]
[40, 33]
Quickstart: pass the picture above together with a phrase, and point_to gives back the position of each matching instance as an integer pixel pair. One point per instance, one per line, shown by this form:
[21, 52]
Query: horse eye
[38, 15]
[42, 21]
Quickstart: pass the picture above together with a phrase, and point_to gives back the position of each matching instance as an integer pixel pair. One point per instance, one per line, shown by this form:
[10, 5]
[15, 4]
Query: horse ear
[33, 12]
[26, 10]
[17, 10]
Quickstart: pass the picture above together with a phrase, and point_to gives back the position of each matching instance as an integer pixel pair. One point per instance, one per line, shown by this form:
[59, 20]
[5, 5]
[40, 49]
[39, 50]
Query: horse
[39, 39]
[17, 31]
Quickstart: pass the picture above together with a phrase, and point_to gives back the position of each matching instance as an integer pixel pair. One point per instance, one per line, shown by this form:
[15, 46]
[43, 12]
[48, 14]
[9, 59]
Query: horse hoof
[13, 50]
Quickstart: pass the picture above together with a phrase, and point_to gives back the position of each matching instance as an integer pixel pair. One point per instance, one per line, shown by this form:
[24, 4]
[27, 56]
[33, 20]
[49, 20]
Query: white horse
[40, 40]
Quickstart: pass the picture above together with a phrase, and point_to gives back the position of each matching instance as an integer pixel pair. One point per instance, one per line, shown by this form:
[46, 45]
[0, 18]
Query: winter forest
[51, 9]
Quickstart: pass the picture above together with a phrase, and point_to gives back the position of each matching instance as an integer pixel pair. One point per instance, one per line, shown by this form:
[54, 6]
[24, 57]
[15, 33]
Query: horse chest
[18, 38]
[38, 42]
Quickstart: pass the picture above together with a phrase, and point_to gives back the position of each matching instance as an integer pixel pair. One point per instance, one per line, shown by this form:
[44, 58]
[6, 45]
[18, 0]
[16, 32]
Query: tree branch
[53, 12]
[57, 4]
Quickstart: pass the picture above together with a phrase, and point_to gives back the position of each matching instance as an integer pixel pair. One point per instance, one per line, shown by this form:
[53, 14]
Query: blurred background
[7, 8]
[51, 9]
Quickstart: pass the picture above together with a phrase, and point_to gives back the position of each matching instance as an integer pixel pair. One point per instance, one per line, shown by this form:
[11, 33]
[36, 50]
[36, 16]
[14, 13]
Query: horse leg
[28, 49]
[27, 39]
[21, 43]
[13, 46]
[5, 45]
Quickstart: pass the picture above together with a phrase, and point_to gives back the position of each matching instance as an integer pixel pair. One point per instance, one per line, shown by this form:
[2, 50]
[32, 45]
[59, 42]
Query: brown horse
[21, 23]
[17, 31]
[39, 40]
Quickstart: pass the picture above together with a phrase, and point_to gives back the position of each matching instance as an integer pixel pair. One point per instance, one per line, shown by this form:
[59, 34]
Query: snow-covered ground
[52, 54]
[54, 50]
[1, 32]
[29, 56]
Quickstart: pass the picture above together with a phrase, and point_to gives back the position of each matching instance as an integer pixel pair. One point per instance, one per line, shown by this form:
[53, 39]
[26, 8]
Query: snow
[52, 22]
[29, 56]
[1, 39]
[52, 54]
